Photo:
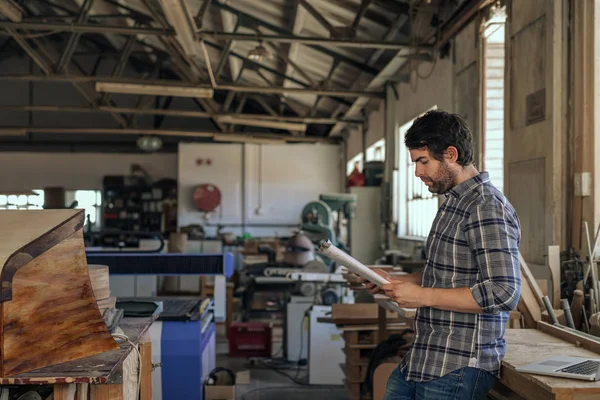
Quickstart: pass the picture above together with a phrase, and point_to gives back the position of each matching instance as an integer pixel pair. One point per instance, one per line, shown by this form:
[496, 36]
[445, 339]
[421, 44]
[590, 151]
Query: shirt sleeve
[493, 234]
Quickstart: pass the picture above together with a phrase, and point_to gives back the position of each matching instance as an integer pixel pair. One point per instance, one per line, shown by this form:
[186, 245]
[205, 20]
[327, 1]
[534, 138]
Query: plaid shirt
[473, 243]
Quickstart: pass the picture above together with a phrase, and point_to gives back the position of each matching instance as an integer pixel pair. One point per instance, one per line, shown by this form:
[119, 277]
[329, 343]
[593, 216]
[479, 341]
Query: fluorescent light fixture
[156, 90]
[288, 126]
[11, 10]
[13, 131]
[246, 139]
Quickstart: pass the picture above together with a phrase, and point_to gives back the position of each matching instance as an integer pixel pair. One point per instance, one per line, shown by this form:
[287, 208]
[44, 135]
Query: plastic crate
[250, 339]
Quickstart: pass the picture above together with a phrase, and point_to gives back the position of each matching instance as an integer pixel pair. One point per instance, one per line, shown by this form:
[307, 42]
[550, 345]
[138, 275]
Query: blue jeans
[464, 384]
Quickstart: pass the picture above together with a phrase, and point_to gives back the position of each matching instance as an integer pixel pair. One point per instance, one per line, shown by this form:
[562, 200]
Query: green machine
[323, 219]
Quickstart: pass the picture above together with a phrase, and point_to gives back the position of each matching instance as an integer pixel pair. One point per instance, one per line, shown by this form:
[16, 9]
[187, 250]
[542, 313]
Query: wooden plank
[107, 392]
[577, 339]
[528, 306]
[146, 378]
[526, 272]
[83, 391]
[554, 265]
[64, 391]
[52, 316]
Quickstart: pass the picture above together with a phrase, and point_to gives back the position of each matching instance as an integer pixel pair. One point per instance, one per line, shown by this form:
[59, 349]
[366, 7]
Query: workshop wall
[263, 187]
[27, 171]
[535, 154]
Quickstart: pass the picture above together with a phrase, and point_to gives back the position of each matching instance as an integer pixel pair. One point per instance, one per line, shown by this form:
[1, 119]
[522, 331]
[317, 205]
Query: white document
[352, 264]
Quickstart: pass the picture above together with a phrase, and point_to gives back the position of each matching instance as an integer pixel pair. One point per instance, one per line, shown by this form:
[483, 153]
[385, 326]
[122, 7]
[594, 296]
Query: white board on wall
[281, 179]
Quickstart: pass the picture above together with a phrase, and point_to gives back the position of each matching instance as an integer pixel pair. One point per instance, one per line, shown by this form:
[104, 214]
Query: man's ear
[451, 154]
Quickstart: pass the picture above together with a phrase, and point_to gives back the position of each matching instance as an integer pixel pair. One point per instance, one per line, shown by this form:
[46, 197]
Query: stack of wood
[359, 324]
[101, 287]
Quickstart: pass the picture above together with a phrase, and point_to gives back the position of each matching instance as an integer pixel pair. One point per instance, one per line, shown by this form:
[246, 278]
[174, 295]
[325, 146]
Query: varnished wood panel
[528, 70]
[527, 193]
[467, 44]
[51, 315]
[22, 245]
[467, 103]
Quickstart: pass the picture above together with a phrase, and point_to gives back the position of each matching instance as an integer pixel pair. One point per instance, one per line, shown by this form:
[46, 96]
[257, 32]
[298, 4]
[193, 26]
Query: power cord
[126, 338]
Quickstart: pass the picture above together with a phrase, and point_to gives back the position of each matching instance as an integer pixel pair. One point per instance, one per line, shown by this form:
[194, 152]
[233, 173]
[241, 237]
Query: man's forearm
[414, 277]
[460, 300]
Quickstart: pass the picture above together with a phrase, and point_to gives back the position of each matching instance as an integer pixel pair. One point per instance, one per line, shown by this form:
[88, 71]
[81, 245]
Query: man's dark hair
[437, 130]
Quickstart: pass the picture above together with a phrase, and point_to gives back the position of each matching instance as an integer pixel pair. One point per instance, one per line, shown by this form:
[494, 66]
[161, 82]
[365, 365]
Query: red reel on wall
[207, 197]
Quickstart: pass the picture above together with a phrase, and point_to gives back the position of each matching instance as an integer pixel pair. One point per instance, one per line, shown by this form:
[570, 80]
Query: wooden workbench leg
[106, 392]
[381, 319]
[83, 391]
[65, 391]
[146, 380]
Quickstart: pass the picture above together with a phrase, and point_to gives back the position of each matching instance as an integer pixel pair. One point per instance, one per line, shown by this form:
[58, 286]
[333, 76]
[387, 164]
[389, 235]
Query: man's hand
[373, 288]
[406, 294]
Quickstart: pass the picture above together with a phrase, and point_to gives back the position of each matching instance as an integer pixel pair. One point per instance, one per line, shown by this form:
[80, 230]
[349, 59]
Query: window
[28, 200]
[91, 201]
[375, 152]
[356, 161]
[493, 97]
[416, 205]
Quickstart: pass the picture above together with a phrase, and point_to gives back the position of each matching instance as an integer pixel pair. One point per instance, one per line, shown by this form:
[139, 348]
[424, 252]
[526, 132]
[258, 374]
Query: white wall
[292, 175]
[25, 171]
[436, 90]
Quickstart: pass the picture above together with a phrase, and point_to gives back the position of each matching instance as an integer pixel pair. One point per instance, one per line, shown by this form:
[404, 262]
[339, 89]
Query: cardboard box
[219, 392]
[226, 392]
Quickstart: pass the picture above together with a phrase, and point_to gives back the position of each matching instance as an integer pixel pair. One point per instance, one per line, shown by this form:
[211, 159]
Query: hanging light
[259, 53]
[149, 143]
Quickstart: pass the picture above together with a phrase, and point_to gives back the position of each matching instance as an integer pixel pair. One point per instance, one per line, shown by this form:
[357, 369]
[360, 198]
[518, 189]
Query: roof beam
[172, 82]
[86, 28]
[4, 131]
[348, 60]
[202, 11]
[297, 26]
[74, 38]
[173, 113]
[50, 57]
[186, 70]
[233, 62]
[230, 24]
[318, 16]
[365, 44]
[391, 33]
[364, 4]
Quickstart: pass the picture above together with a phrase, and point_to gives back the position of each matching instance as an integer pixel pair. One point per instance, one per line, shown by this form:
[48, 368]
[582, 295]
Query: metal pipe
[567, 309]
[366, 44]
[86, 28]
[550, 310]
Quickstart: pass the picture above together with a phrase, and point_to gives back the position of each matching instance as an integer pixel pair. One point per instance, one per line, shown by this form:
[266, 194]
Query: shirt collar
[468, 185]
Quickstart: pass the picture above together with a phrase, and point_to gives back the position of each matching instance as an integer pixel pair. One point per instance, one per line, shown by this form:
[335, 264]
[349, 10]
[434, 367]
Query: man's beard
[443, 181]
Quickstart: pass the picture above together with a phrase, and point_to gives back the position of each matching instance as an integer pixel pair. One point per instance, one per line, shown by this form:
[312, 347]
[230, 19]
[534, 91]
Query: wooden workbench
[110, 375]
[525, 346]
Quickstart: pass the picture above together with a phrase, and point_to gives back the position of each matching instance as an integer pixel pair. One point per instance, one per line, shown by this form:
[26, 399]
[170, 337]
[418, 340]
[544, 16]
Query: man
[471, 280]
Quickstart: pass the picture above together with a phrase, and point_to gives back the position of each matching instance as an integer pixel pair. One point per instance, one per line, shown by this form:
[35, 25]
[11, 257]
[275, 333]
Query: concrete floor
[270, 383]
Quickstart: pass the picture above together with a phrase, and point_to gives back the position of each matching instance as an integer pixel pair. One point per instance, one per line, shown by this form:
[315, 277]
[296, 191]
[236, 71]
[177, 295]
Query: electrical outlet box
[583, 184]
